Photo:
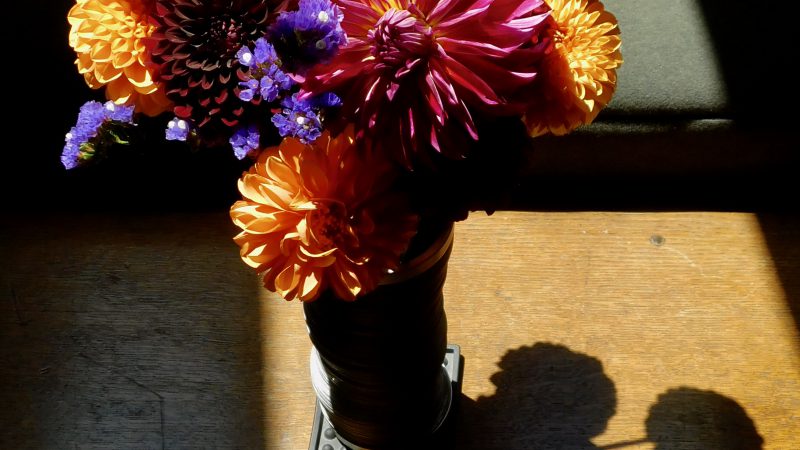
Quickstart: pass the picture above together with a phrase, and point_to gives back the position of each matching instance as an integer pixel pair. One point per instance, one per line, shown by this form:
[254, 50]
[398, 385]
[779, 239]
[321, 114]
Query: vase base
[323, 436]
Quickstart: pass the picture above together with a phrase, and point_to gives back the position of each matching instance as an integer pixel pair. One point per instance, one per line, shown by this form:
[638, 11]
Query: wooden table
[579, 330]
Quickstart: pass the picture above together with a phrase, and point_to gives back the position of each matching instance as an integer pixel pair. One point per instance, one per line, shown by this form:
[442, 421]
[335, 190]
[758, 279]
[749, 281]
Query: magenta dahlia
[414, 72]
[195, 47]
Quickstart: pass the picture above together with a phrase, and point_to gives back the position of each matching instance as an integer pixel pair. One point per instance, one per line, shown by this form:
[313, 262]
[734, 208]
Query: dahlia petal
[265, 192]
[434, 100]
[260, 220]
[479, 7]
[357, 13]
[107, 74]
[440, 11]
[443, 84]
[462, 46]
[466, 120]
[322, 258]
[526, 24]
[266, 223]
[260, 254]
[504, 10]
[119, 91]
[346, 283]
[123, 59]
[315, 178]
[465, 78]
[138, 76]
[504, 79]
[434, 137]
[153, 101]
[309, 286]
[371, 89]
[412, 132]
[287, 280]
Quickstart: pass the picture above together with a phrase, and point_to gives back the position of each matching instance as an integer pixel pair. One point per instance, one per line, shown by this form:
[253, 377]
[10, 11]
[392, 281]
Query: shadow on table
[548, 397]
[128, 331]
[782, 235]
[689, 418]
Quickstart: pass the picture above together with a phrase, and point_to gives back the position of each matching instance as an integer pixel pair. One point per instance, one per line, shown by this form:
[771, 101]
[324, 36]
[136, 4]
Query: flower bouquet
[366, 124]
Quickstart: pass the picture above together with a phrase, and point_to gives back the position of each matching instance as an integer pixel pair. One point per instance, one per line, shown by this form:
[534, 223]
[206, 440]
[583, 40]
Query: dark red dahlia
[195, 48]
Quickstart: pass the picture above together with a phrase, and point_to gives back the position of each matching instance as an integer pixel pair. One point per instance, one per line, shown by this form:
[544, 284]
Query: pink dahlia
[414, 72]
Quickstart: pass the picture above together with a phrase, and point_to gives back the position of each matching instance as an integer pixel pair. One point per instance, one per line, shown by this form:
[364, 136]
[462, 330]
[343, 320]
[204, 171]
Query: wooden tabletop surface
[580, 330]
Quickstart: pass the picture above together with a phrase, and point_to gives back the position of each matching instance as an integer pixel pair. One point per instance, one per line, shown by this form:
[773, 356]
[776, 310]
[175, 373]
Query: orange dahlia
[108, 37]
[317, 215]
[579, 75]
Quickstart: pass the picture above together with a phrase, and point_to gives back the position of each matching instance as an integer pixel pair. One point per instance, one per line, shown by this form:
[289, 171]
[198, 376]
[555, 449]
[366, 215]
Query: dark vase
[376, 364]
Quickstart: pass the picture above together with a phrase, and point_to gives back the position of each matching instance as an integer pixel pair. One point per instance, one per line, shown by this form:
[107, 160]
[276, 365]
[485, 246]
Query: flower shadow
[687, 417]
[548, 397]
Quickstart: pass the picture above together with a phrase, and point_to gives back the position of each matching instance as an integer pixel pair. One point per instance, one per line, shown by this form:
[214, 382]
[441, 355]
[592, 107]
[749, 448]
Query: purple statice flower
[245, 140]
[310, 35]
[119, 113]
[301, 118]
[92, 119]
[326, 100]
[177, 130]
[265, 79]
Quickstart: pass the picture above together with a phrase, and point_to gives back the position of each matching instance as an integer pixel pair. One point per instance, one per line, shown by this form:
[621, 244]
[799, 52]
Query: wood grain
[580, 330]
[623, 318]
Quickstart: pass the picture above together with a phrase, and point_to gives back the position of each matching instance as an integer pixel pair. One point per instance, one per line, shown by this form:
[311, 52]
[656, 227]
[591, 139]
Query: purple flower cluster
[245, 140]
[177, 130]
[92, 119]
[265, 78]
[300, 118]
[310, 35]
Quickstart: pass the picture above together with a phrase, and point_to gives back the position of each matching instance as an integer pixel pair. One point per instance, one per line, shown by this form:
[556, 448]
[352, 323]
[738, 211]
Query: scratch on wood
[690, 262]
[143, 386]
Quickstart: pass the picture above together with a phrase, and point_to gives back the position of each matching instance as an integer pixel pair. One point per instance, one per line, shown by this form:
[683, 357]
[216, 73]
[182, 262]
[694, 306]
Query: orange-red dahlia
[413, 72]
[579, 75]
[108, 37]
[319, 215]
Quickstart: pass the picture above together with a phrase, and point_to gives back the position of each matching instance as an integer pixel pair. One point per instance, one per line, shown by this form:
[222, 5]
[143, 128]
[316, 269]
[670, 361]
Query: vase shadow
[690, 418]
[547, 397]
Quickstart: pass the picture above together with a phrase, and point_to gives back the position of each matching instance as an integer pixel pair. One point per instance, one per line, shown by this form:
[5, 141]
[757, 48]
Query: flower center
[400, 38]
[329, 223]
[225, 33]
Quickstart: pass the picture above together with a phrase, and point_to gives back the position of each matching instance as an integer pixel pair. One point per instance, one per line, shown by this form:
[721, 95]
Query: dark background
[43, 93]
